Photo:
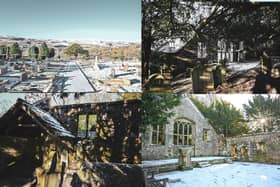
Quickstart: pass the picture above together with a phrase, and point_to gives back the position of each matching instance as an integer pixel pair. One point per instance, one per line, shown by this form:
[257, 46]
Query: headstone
[202, 78]
[113, 73]
[219, 75]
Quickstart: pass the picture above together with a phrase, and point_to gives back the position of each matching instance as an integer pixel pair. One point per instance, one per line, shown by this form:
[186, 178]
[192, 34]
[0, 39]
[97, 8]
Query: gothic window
[86, 125]
[182, 132]
[158, 135]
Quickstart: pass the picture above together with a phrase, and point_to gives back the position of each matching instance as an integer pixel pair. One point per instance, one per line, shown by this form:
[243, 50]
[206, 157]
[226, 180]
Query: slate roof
[40, 117]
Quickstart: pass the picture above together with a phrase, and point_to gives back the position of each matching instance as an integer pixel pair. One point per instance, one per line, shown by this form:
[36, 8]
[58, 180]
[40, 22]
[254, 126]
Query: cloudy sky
[113, 20]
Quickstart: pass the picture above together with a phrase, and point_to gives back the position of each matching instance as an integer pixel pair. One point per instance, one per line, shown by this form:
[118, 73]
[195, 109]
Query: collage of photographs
[139, 93]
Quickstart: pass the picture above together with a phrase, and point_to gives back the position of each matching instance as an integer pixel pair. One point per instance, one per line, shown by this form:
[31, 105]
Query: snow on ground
[75, 81]
[148, 163]
[99, 74]
[133, 88]
[103, 72]
[237, 174]
[237, 67]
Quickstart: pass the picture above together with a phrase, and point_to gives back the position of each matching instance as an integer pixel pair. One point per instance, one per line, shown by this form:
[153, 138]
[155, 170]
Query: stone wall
[261, 147]
[186, 110]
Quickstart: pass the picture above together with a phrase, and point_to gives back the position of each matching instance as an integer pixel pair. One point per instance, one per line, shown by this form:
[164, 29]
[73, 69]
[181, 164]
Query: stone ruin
[261, 147]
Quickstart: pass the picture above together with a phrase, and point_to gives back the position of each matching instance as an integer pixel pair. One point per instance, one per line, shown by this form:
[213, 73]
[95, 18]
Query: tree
[3, 51]
[15, 51]
[160, 22]
[224, 117]
[33, 52]
[43, 51]
[265, 111]
[191, 21]
[85, 53]
[156, 108]
[51, 52]
[76, 50]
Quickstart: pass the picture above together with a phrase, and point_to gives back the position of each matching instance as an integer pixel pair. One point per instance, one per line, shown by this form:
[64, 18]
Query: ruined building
[258, 147]
[51, 145]
[187, 128]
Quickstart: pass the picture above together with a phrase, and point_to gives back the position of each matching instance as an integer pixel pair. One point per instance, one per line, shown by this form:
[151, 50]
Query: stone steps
[203, 164]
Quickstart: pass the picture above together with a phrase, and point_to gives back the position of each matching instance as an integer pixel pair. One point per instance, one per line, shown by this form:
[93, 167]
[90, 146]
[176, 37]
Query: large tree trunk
[146, 57]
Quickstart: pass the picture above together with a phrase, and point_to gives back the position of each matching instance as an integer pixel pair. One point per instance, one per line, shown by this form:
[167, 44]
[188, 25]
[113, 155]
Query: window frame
[205, 138]
[159, 131]
[89, 134]
[179, 130]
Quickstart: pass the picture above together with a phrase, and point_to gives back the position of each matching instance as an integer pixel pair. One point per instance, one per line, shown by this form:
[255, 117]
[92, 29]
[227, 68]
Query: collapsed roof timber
[23, 116]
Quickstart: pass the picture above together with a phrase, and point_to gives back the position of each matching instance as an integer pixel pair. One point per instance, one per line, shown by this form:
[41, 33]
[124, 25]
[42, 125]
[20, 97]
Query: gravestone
[202, 78]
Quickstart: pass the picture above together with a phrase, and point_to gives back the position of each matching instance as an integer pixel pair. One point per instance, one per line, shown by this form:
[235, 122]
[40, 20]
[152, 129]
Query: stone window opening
[172, 44]
[205, 136]
[158, 135]
[87, 126]
[260, 147]
[182, 132]
[234, 151]
[201, 50]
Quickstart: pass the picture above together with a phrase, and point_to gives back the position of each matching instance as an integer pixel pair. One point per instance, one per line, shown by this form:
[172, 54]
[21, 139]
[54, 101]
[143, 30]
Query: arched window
[182, 132]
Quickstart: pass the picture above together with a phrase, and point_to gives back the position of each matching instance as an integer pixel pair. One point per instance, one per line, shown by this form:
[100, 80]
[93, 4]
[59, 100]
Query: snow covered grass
[237, 67]
[238, 174]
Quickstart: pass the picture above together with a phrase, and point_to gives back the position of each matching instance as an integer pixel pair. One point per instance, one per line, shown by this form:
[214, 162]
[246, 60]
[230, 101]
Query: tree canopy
[224, 117]
[51, 52]
[33, 52]
[43, 51]
[156, 108]
[254, 23]
[76, 50]
[15, 51]
[265, 111]
[3, 51]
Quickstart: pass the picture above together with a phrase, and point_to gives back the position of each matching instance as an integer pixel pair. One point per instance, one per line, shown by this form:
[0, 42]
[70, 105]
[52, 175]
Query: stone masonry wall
[186, 110]
[269, 152]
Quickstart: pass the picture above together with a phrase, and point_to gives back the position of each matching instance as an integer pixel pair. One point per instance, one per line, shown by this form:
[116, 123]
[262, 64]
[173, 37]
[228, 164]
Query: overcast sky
[114, 20]
[236, 100]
